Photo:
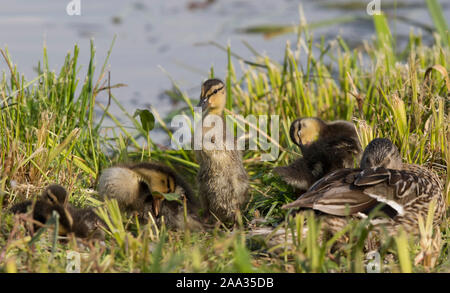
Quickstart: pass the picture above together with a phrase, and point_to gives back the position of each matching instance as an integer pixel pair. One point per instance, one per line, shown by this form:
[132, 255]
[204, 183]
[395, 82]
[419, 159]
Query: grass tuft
[49, 132]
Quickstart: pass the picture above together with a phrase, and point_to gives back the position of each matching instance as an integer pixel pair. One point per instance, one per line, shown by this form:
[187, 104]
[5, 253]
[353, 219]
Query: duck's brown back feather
[350, 191]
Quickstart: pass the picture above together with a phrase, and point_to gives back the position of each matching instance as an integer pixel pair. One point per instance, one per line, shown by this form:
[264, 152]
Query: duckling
[222, 179]
[325, 147]
[83, 223]
[86, 223]
[53, 198]
[404, 190]
[139, 187]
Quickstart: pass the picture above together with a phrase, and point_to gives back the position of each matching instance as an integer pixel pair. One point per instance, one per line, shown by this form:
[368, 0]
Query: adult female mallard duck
[404, 190]
[326, 146]
[139, 188]
[222, 179]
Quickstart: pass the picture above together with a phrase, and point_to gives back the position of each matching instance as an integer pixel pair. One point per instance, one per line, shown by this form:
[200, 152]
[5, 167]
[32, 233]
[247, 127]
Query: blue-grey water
[163, 35]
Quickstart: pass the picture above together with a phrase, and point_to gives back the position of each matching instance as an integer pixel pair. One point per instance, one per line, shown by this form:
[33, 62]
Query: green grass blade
[436, 13]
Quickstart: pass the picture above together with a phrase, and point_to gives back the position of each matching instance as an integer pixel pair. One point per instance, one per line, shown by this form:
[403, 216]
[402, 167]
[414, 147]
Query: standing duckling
[139, 188]
[325, 147]
[222, 179]
[404, 190]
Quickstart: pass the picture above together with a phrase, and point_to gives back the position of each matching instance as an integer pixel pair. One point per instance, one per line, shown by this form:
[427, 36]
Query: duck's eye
[215, 92]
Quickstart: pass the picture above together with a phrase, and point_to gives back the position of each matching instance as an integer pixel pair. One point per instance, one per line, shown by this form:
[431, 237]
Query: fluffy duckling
[86, 223]
[404, 190]
[222, 179]
[53, 198]
[139, 187]
[326, 146]
[83, 223]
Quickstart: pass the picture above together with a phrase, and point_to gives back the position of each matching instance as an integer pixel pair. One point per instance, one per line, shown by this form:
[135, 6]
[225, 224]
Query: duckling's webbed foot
[296, 174]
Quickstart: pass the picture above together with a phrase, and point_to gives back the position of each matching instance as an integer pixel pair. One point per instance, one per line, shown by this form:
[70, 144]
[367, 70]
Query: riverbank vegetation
[51, 130]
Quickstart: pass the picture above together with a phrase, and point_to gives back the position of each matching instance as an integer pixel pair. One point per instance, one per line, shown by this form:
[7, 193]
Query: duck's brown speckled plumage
[405, 190]
[222, 179]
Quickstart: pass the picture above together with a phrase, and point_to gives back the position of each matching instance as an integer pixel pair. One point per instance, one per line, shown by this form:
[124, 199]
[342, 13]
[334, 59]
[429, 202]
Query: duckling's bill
[157, 200]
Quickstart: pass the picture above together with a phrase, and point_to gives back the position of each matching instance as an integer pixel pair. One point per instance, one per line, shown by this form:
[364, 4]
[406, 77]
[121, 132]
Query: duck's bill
[157, 205]
[203, 103]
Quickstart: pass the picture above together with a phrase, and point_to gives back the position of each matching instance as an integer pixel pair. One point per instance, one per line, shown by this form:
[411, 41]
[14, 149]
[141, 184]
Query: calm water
[165, 33]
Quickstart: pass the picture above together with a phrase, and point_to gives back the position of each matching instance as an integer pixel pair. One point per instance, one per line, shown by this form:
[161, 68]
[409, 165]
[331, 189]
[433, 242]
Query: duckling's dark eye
[215, 92]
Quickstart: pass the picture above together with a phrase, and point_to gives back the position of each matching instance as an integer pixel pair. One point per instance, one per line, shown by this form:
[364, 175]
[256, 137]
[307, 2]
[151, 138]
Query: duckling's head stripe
[207, 85]
[293, 131]
[56, 193]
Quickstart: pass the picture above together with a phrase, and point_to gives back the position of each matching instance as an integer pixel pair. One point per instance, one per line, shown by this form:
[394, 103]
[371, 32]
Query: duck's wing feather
[341, 176]
[396, 188]
[334, 194]
[349, 191]
[372, 176]
[338, 201]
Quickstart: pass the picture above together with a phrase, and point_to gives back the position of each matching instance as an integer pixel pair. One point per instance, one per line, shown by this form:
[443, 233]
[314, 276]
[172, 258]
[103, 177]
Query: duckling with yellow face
[326, 146]
[140, 187]
[222, 179]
